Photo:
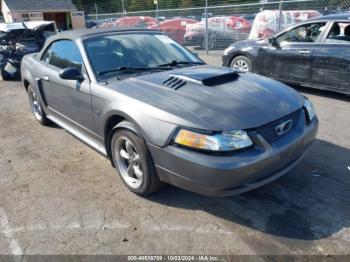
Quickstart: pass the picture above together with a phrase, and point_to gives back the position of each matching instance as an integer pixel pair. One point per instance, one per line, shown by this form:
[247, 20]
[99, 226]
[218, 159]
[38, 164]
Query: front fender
[26, 75]
[150, 128]
[251, 52]
[107, 103]
[135, 127]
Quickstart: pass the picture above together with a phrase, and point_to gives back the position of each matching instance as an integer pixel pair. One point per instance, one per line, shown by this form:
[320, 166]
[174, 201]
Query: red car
[175, 28]
[135, 21]
[239, 23]
[223, 30]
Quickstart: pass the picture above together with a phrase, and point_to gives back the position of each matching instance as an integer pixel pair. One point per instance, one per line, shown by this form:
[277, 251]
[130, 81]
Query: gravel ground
[60, 197]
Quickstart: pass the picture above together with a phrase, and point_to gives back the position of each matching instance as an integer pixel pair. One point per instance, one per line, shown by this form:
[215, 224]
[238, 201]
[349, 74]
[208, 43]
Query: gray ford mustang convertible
[162, 116]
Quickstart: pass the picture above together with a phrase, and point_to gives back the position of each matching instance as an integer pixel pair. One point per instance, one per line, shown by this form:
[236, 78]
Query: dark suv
[314, 54]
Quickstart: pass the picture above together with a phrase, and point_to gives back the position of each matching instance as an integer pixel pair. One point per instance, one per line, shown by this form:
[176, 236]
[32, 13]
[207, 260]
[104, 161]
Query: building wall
[26, 16]
[60, 18]
[20, 16]
[6, 12]
[78, 20]
[16, 16]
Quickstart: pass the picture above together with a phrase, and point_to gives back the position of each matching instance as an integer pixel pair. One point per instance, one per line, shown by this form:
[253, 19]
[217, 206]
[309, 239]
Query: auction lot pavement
[57, 196]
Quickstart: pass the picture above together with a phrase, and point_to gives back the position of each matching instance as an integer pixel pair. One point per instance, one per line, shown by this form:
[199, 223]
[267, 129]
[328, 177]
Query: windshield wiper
[175, 63]
[127, 68]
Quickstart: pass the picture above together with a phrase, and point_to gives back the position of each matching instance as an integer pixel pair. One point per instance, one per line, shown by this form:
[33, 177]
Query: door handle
[46, 78]
[304, 52]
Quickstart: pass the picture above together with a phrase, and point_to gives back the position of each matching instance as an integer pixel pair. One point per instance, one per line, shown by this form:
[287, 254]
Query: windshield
[135, 50]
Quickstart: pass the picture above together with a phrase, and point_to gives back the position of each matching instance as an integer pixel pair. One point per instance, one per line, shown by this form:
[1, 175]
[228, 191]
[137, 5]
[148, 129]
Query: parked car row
[222, 30]
[175, 28]
[128, 21]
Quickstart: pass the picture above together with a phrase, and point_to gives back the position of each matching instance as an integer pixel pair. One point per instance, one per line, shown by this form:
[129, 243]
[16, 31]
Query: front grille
[268, 131]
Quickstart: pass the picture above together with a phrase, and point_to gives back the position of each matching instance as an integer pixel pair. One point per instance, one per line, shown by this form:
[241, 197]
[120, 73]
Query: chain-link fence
[197, 23]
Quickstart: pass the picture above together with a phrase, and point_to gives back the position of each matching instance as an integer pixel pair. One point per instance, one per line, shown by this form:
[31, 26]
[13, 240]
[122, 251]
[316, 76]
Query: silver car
[162, 116]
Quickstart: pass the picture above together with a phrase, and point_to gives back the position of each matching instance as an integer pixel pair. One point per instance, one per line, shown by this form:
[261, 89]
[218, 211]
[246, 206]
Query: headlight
[228, 50]
[220, 142]
[311, 112]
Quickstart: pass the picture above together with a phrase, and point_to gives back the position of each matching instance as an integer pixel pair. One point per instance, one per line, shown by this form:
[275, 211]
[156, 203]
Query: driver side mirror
[71, 73]
[273, 41]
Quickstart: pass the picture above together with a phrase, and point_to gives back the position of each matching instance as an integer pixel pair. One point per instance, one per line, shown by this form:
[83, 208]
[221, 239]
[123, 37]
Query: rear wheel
[134, 163]
[242, 63]
[36, 107]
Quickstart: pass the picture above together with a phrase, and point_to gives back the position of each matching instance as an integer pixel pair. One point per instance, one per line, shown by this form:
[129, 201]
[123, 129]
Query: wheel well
[110, 124]
[237, 55]
[26, 84]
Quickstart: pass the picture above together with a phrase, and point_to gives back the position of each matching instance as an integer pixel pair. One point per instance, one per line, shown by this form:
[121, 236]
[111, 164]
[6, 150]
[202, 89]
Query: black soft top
[80, 33]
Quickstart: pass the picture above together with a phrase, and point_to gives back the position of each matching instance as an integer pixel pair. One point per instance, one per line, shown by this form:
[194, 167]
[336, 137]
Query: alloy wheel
[128, 162]
[35, 105]
[241, 65]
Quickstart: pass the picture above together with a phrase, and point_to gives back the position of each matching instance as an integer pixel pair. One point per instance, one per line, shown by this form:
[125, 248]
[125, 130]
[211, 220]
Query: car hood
[215, 98]
[32, 25]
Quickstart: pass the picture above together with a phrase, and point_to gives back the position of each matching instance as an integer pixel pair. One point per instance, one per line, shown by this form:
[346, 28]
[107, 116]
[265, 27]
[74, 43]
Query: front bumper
[237, 173]
[226, 60]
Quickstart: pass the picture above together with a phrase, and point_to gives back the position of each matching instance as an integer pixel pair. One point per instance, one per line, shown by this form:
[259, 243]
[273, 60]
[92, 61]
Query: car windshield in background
[111, 52]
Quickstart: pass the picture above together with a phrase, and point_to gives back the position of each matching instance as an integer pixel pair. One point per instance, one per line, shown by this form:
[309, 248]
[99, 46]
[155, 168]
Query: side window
[308, 33]
[46, 56]
[63, 54]
[339, 34]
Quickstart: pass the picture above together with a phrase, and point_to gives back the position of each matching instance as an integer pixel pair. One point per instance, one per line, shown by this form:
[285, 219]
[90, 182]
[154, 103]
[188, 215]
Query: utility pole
[157, 12]
[96, 12]
[123, 7]
[280, 15]
[206, 28]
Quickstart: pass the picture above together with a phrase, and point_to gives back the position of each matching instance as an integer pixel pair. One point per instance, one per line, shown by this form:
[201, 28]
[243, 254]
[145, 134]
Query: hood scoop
[174, 82]
[202, 76]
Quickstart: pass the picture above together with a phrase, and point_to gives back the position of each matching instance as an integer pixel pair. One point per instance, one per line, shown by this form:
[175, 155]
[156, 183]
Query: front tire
[133, 162]
[242, 63]
[5, 75]
[36, 107]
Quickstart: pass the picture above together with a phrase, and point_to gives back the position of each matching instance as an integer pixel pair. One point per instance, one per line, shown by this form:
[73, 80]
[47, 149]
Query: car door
[288, 58]
[330, 64]
[68, 99]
